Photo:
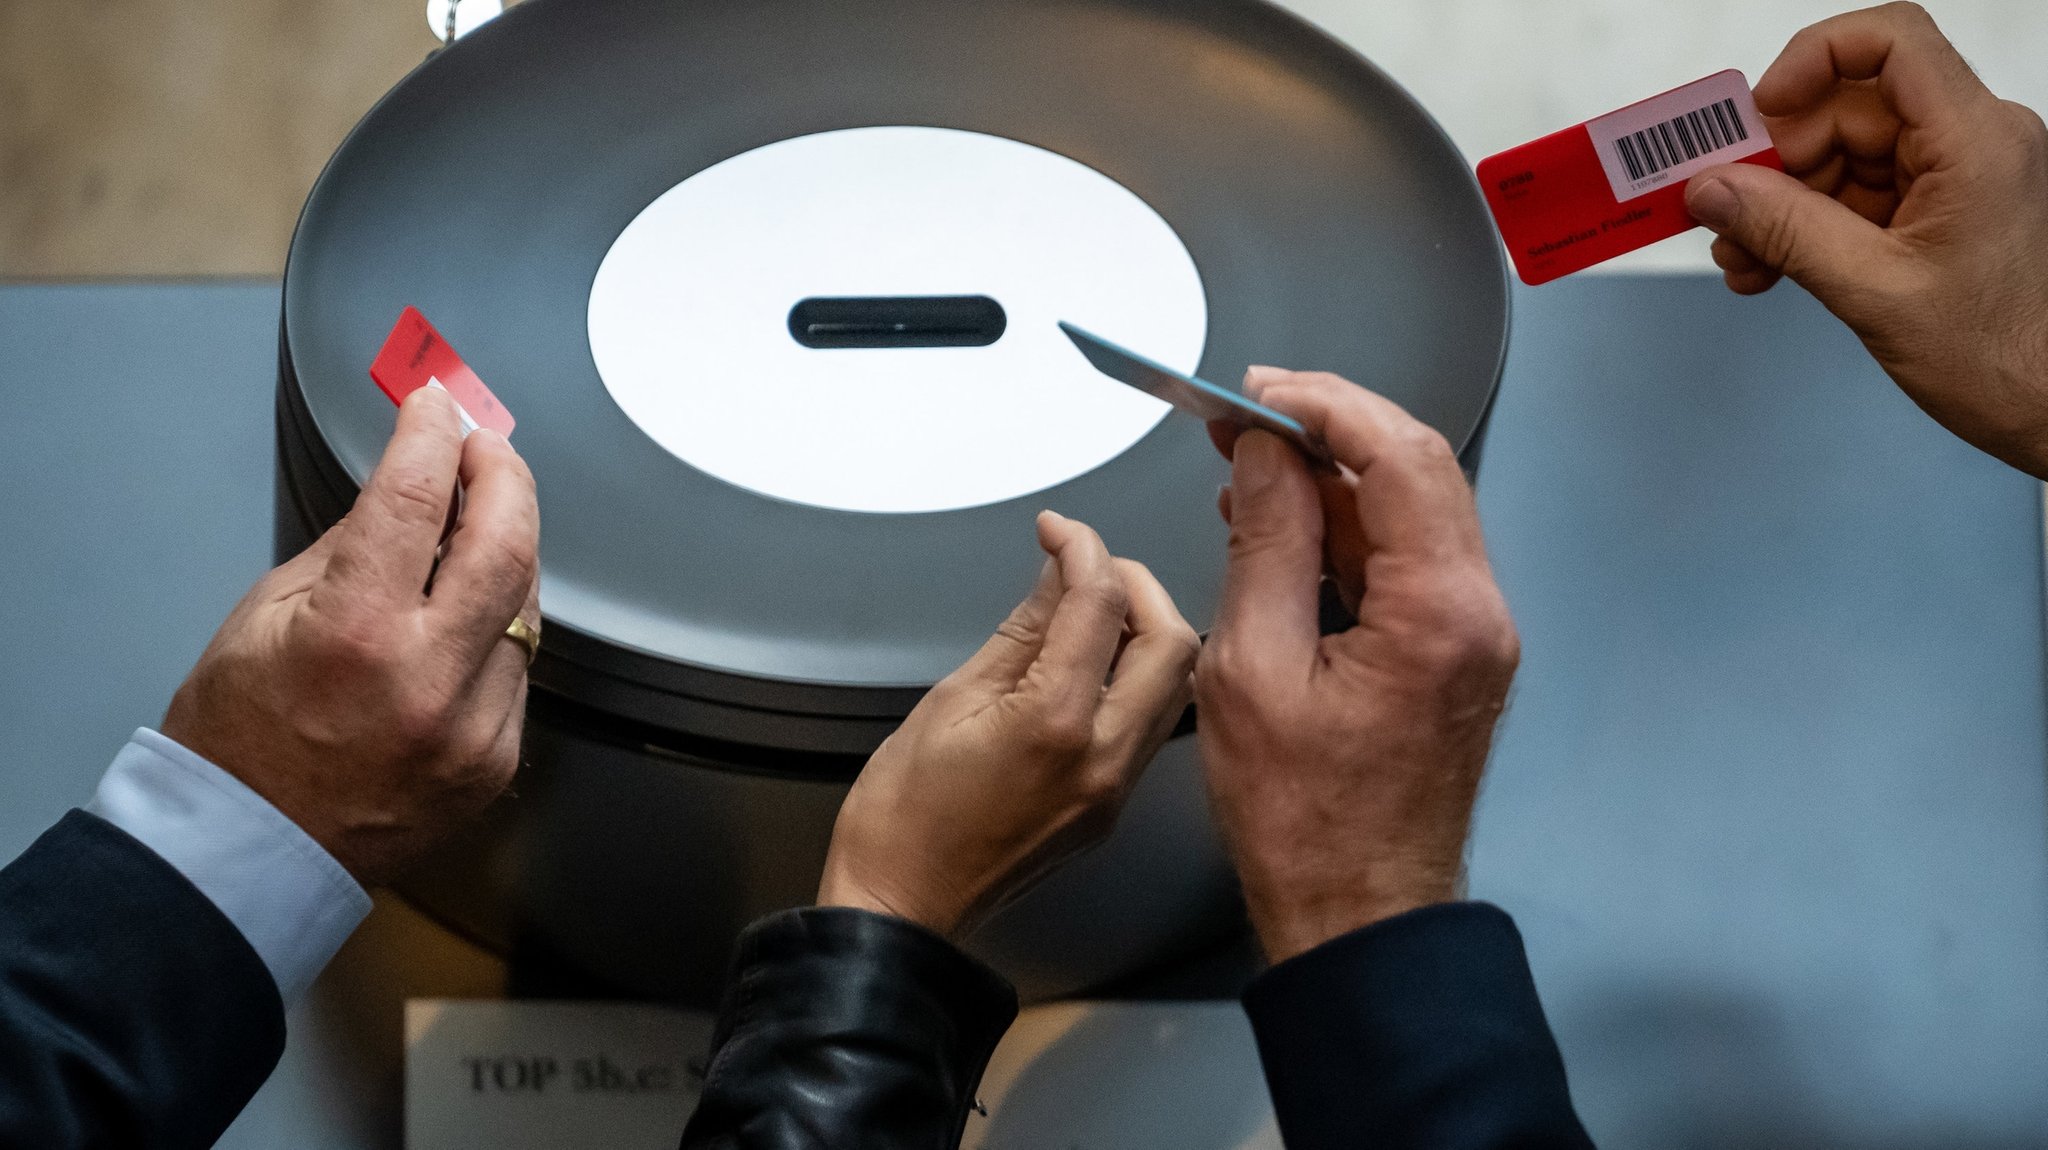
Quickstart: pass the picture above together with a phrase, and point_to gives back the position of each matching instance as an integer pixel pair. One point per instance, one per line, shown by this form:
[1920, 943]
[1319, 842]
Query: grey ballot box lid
[1331, 221]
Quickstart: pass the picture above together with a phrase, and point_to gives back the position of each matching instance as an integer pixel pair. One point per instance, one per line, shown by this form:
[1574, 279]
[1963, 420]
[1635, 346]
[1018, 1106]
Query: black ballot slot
[897, 321]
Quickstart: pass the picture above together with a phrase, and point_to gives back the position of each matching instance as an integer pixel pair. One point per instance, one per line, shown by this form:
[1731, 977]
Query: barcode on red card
[1590, 193]
[1667, 138]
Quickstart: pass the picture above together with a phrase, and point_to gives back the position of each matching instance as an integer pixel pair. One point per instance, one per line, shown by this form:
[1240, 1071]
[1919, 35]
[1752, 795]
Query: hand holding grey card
[1198, 397]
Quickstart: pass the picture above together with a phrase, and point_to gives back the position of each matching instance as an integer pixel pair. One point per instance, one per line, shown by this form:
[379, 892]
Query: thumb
[1270, 587]
[1821, 243]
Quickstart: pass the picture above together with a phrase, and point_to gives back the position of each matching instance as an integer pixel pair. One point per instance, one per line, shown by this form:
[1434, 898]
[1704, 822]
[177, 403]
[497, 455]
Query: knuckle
[1906, 12]
[1066, 733]
[2031, 125]
[1472, 633]
[421, 719]
[1104, 790]
[413, 495]
[945, 695]
[516, 463]
[1018, 631]
[512, 557]
[1131, 573]
[1422, 441]
[1266, 534]
[1322, 380]
[355, 642]
[1777, 239]
[1328, 379]
[1221, 669]
[1228, 682]
[493, 759]
[1104, 596]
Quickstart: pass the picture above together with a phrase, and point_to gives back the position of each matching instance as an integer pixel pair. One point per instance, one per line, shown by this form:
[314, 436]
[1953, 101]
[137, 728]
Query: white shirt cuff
[287, 895]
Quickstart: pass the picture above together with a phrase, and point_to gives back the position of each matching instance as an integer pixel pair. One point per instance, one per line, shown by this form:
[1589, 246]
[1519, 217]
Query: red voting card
[415, 356]
[1587, 194]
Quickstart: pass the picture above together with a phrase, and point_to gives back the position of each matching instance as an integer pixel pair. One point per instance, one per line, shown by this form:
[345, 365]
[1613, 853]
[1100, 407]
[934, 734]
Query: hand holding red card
[415, 356]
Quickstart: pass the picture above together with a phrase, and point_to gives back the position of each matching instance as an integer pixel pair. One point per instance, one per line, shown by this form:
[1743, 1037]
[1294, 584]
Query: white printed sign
[497, 1075]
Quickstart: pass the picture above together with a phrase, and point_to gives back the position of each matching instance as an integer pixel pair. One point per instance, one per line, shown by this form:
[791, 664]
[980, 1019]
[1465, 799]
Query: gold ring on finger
[526, 635]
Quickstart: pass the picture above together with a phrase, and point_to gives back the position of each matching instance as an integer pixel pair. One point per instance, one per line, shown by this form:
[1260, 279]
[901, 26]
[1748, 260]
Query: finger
[1730, 256]
[1412, 496]
[1258, 376]
[1002, 661]
[1852, 121]
[498, 728]
[1344, 544]
[1223, 503]
[1828, 178]
[1267, 613]
[1744, 273]
[1792, 229]
[1223, 433]
[499, 694]
[494, 554]
[1081, 639]
[385, 549]
[1150, 686]
[1921, 76]
[1751, 283]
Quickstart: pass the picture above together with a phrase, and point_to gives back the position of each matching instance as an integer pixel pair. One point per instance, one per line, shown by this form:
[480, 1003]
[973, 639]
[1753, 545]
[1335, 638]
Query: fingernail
[1714, 204]
[1050, 514]
[1256, 377]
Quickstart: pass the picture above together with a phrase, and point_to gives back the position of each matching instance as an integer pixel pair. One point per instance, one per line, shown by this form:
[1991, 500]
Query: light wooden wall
[178, 137]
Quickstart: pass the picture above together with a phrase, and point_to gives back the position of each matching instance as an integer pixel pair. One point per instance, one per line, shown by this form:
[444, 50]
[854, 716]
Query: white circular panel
[689, 318]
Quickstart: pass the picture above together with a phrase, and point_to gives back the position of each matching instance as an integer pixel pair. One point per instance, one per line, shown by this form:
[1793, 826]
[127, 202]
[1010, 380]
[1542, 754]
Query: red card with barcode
[415, 356]
[1609, 186]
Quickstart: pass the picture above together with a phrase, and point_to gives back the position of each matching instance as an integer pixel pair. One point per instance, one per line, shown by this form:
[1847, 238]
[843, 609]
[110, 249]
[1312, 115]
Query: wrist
[841, 888]
[1292, 918]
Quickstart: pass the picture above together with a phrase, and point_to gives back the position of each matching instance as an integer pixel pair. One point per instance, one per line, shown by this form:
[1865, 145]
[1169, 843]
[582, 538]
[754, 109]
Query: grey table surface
[1771, 804]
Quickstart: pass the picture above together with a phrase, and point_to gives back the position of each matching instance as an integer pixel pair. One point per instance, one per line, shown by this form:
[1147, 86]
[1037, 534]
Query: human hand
[1343, 768]
[373, 710]
[1022, 757]
[1916, 209]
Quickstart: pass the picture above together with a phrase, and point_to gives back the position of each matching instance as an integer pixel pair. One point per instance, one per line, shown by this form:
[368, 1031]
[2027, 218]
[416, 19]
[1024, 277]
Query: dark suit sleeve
[1422, 1030]
[844, 1029]
[132, 1012]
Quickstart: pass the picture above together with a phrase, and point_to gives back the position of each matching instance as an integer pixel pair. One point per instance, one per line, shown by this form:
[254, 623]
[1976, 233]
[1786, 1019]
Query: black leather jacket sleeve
[1422, 1030]
[845, 1029]
[132, 1012]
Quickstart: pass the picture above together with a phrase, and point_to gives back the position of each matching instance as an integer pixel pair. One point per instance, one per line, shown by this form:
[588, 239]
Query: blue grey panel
[1770, 802]
[135, 479]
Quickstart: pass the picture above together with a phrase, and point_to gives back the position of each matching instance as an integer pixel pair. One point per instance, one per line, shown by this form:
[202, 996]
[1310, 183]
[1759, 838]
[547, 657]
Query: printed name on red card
[415, 356]
[1609, 186]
